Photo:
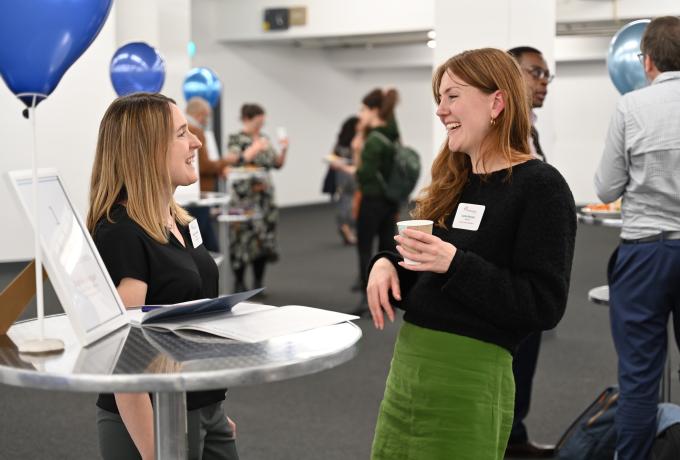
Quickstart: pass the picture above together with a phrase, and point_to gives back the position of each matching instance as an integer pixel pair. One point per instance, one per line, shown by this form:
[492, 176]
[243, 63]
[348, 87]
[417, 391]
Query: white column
[504, 24]
[165, 25]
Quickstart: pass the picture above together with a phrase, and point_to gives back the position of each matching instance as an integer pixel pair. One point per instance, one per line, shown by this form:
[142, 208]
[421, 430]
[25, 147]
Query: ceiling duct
[604, 28]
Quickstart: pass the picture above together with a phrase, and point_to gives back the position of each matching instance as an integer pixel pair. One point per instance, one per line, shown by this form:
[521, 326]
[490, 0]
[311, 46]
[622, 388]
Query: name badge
[468, 216]
[195, 232]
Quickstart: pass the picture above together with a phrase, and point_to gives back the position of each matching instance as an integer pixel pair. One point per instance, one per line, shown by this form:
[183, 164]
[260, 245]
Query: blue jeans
[644, 288]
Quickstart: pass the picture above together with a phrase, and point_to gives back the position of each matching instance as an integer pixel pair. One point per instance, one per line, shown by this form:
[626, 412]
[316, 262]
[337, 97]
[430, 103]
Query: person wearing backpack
[495, 269]
[377, 213]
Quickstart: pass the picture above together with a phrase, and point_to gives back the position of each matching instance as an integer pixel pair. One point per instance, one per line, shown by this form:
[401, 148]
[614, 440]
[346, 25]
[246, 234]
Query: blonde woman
[144, 151]
[495, 269]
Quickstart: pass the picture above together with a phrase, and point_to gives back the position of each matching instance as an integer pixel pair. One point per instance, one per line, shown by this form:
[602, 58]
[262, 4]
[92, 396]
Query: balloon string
[36, 219]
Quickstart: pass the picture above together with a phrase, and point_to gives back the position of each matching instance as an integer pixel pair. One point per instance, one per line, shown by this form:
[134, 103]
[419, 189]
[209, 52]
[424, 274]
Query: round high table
[600, 295]
[136, 360]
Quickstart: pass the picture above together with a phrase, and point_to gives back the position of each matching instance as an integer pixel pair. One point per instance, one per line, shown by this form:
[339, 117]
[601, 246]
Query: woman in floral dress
[253, 242]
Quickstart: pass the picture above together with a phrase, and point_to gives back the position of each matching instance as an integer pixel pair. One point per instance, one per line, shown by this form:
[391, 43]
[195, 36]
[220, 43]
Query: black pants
[377, 217]
[523, 368]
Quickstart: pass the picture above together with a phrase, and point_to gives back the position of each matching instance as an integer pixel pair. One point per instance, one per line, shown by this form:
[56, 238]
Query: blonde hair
[131, 166]
[489, 70]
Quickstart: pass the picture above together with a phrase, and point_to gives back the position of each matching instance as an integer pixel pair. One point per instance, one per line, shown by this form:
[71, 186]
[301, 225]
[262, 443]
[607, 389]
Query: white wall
[310, 94]
[242, 19]
[68, 121]
[584, 98]
[67, 124]
[599, 10]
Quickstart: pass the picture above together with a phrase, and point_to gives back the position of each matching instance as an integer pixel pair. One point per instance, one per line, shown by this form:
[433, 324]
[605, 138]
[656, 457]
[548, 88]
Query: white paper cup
[420, 225]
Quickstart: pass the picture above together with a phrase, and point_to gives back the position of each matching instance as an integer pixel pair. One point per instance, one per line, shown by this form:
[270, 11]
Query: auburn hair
[131, 164]
[489, 70]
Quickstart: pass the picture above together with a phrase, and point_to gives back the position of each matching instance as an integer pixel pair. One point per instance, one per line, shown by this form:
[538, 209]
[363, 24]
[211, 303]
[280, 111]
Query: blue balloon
[202, 82]
[625, 69]
[40, 39]
[137, 67]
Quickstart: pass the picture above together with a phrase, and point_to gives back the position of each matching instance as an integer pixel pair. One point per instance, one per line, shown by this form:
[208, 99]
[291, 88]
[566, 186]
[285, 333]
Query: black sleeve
[407, 278]
[532, 293]
[122, 249]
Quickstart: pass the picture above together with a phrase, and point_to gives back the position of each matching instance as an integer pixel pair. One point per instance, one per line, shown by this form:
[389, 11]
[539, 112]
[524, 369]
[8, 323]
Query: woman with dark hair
[254, 243]
[377, 214]
[495, 269]
[343, 168]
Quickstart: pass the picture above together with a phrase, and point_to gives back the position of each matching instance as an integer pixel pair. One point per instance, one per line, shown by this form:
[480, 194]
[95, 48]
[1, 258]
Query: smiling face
[181, 151]
[466, 112]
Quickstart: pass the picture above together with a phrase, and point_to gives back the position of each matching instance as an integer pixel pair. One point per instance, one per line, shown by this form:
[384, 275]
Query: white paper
[257, 323]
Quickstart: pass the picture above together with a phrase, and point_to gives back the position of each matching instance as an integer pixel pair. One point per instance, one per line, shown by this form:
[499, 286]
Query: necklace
[170, 224]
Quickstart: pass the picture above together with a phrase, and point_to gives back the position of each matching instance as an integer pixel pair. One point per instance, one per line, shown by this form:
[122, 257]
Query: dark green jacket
[377, 156]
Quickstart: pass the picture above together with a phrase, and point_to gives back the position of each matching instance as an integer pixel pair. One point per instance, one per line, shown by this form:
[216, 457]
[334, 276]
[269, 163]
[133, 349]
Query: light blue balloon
[202, 82]
[137, 67]
[625, 69]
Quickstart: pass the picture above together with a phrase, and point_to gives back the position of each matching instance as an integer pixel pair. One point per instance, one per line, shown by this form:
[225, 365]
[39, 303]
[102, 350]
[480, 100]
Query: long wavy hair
[489, 70]
[131, 164]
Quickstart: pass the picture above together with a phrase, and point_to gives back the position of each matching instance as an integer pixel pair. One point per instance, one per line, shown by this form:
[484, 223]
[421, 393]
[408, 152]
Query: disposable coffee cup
[424, 226]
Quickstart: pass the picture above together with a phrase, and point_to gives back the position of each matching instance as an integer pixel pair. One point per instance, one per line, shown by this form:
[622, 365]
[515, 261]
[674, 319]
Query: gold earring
[493, 121]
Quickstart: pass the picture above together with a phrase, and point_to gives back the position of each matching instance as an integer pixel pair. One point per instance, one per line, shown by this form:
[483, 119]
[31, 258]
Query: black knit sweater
[508, 278]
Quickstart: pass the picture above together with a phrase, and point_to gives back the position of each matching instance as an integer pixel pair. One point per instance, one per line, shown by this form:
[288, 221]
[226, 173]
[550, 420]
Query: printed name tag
[468, 216]
[195, 233]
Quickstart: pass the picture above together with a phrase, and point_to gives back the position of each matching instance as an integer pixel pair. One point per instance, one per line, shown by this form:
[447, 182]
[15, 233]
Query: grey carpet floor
[331, 415]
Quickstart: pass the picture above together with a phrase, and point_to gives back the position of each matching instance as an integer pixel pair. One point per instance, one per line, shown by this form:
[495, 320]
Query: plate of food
[611, 210]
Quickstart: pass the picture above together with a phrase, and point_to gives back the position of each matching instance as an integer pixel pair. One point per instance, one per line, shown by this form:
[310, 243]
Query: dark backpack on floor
[592, 436]
[667, 444]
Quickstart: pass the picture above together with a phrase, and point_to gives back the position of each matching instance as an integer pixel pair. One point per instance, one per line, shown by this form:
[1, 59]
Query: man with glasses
[537, 77]
[641, 163]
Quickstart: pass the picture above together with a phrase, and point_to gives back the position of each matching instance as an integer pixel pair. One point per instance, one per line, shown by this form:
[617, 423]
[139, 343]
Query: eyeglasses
[539, 74]
[641, 58]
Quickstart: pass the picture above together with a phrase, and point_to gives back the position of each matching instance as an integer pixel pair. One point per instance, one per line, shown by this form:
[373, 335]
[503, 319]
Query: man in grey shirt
[641, 163]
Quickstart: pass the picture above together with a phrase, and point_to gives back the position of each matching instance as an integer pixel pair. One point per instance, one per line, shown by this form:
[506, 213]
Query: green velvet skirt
[446, 397]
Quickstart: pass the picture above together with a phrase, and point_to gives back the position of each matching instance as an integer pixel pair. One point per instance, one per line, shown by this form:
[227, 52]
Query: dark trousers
[523, 368]
[643, 291]
[377, 217]
[202, 215]
[209, 436]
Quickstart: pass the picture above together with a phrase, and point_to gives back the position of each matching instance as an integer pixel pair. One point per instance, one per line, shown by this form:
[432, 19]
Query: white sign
[76, 271]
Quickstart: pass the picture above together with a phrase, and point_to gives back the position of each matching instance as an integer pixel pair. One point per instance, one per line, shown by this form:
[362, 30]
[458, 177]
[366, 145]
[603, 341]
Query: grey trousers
[209, 436]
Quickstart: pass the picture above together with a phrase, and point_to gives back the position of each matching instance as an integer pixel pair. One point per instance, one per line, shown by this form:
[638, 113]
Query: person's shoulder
[118, 225]
[541, 178]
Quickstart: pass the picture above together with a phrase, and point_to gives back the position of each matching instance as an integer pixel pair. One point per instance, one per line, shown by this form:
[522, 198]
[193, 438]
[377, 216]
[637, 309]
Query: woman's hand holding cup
[421, 250]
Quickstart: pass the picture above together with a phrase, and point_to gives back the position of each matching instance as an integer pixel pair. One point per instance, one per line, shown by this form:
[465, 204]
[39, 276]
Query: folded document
[246, 322]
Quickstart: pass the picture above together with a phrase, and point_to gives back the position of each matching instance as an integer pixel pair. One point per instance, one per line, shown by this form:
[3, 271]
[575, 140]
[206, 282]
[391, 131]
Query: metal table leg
[225, 268]
[170, 425]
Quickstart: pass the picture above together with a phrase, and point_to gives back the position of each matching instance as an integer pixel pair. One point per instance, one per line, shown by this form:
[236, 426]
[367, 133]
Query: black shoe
[257, 285]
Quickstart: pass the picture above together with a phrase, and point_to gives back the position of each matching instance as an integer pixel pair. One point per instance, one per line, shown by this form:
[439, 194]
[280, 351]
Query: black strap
[537, 145]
